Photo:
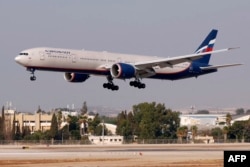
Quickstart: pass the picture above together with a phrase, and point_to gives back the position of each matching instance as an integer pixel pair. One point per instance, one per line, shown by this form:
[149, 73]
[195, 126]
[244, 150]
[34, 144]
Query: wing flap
[219, 66]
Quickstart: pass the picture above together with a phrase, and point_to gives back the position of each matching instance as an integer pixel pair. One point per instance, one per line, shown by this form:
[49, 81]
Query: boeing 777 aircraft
[79, 65]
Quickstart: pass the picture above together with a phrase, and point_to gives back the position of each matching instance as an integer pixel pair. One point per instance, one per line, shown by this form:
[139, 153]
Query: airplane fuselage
[79, 65]
[97, 63]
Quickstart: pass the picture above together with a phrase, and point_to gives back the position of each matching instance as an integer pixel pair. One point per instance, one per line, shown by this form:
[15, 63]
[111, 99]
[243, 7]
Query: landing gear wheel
[110, 85]
[33, 78]
[137, 84]
[32, 70]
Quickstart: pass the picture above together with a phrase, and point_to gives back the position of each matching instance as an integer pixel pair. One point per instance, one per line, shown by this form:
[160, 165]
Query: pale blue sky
[159, 28]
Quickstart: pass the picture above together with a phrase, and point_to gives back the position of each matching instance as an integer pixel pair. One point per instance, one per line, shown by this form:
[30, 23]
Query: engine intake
[75, 77]
[122, 70]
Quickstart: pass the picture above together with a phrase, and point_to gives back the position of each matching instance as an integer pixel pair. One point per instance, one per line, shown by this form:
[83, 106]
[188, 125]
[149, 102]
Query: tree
[182, 132]
[94, 124]
[84, 108]
[240, 111]
[125, 124]
[39, 110]
[248, 111]
[59, 118]
[217, 133]
[26, 132]
[14, 127]
[18, 135]
[2, 126]
[228, 119]
[240, 130]
[54, 127]
[194, 130]
[225, 132]
[148, 121]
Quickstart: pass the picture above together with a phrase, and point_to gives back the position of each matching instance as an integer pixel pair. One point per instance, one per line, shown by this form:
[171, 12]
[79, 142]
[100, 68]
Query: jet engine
[122, 70]
[75, 77]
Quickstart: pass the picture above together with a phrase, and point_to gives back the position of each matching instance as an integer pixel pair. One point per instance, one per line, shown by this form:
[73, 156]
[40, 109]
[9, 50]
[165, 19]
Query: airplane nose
[17, 59]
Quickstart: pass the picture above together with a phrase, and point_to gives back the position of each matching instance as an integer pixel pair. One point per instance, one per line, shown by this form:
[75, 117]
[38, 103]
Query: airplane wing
[169, 62]
[219, 66]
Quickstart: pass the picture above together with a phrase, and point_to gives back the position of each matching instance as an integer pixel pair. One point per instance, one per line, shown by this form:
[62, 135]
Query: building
[243, 117]
[106, 140]
[35, 122]
[206, 121]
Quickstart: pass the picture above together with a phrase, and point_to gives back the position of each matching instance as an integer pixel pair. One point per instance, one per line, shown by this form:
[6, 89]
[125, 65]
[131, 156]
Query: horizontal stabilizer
[219, 66]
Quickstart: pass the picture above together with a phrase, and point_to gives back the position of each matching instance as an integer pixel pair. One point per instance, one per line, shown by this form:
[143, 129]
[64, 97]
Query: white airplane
[78, 65]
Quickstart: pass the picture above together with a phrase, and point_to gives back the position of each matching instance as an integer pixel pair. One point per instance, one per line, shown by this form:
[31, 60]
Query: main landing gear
[137, 83]
[33, 77]
[110, 84]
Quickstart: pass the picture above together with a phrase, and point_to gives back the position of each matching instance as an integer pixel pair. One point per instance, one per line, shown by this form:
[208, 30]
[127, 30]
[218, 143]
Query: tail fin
[206, 46]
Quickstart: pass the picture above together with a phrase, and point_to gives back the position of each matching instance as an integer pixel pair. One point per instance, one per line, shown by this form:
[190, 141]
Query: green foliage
[73, 123]
[239, 130]
[26, 131]
[65, 134]
[228, 119]
[240, 111]
[14, 128]
[148, 121]
[217, 133]
[182, 132]
[18, 134]
[94, 124]
[2, 125]
[54, 127]
[98, 130]
[75, 135]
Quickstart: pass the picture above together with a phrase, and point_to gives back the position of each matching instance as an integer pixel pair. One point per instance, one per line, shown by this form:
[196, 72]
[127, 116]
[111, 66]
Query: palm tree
[228, 119]
[225, 132]
[182, 132]
[194, 130]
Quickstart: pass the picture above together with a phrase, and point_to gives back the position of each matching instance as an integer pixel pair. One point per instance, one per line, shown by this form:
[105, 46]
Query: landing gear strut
[32, 77]
[137, 83]
[110, 84]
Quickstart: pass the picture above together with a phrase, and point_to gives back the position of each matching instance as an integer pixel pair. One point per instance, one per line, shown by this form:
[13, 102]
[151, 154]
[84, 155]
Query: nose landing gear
[32, 71]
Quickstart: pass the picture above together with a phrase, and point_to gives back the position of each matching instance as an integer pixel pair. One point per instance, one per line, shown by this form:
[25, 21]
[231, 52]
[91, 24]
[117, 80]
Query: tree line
[71, 131]
[145, 121]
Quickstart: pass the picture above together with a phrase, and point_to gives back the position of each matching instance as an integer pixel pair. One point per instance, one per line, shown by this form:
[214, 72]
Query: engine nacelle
[75, 77]
[122, 70]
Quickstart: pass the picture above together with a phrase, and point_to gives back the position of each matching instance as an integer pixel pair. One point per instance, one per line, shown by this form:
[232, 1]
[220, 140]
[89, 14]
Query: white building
[202, 120]
[106, 140]
[240, 118]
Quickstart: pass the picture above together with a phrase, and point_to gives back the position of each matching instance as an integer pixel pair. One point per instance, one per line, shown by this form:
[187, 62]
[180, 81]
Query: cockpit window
[24, 53]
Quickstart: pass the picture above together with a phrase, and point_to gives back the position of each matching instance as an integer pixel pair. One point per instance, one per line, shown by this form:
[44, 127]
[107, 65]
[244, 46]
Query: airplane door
[73, 58]
[42, 56]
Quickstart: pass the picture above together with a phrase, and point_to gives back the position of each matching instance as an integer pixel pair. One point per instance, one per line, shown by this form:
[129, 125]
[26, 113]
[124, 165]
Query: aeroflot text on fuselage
[58, 51]
[79, 65]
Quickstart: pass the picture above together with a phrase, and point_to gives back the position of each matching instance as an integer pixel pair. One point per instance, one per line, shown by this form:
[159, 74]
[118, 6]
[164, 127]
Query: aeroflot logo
[57, 51]
[236, 158]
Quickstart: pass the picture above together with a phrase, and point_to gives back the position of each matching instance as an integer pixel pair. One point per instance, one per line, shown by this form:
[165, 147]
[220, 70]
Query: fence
[125, 141]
